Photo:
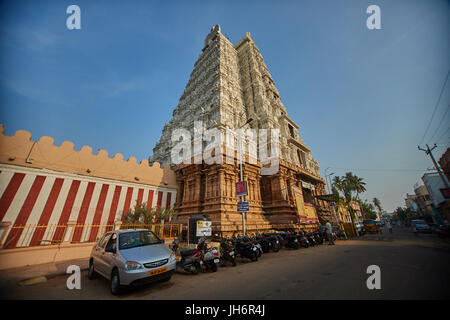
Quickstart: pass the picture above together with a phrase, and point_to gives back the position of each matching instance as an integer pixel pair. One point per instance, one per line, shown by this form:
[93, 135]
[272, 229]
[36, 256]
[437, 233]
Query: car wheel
[115, 282]
[92, 274]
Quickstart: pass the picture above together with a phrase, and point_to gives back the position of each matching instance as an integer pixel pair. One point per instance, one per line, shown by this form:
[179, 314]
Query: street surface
[412, 267]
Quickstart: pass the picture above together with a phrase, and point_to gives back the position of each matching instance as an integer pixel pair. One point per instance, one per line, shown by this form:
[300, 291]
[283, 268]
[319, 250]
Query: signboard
[445, 192]
[310, 213]
[307, 185]
[243, 206]
[241, 189]
[203, 228]
[298, 195]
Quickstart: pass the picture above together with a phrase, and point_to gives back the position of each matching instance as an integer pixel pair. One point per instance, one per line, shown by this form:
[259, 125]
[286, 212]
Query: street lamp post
[241, 171]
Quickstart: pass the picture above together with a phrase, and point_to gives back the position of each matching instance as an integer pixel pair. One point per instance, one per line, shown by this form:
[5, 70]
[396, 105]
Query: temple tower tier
[230, 88]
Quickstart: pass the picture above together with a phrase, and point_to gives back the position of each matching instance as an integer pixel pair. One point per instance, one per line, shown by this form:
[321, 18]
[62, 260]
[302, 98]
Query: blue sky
[363, 98]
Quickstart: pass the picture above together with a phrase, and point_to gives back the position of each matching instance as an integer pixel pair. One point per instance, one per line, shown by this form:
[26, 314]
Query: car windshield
[135, 239]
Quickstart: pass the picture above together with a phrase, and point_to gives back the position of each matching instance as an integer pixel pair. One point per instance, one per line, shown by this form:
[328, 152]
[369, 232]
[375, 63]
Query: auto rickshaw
[370, 226]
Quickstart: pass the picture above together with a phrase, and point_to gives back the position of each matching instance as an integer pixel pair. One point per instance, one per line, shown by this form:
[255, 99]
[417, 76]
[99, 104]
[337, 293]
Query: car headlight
[133, 265]
[172, 256]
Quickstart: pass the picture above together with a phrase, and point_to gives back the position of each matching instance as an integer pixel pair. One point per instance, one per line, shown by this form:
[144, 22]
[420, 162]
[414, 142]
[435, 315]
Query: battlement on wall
[20, 150]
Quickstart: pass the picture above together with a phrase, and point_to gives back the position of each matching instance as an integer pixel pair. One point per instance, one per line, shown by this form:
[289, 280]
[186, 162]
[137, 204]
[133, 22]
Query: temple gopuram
[231, 88]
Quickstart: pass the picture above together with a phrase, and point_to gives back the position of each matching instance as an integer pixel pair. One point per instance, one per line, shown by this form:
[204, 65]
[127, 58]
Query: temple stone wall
[229, 85]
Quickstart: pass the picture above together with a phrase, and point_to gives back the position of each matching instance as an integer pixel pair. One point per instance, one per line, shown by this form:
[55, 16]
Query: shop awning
[325, 197]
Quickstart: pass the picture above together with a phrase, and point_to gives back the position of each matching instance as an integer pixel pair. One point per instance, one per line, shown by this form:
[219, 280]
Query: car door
[99, 252]
[109, 257]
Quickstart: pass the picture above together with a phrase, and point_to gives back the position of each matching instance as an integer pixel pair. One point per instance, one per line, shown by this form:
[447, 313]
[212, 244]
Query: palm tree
[348, 184]
[377, 204]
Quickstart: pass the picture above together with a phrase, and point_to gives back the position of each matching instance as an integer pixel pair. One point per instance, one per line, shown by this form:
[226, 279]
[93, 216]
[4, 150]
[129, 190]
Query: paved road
[412, 267]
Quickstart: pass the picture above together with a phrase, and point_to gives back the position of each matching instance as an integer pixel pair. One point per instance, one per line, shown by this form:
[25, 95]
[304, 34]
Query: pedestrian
[330, 233]
[389, 226]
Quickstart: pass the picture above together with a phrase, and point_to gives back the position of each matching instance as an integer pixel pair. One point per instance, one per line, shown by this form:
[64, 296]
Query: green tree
[377, 204]
[368, 210]
[140, 214]
[350, 186]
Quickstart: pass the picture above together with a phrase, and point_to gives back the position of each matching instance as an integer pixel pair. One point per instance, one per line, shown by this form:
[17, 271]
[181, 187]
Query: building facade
[231, 88]
[433, 184]
[444, 163]
[43, 185]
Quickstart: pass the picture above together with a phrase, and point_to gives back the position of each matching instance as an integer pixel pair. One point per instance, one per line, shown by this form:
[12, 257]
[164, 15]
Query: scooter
[210, 256]
[191, 260]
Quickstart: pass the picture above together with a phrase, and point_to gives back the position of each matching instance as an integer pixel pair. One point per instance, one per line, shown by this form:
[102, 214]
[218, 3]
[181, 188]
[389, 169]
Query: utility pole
[429, 152]
[241, 170]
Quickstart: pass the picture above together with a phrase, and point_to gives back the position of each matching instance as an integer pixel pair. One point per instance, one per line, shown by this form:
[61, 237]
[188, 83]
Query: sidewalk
[11, 277]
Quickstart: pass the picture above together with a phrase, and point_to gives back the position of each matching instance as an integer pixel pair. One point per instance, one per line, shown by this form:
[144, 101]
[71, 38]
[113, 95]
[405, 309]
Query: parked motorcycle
[256, 243]
[227, 252]
[291, 240]
[318, 237]
[302, 239]
[245, 249]
[311, 239]
[270, 241]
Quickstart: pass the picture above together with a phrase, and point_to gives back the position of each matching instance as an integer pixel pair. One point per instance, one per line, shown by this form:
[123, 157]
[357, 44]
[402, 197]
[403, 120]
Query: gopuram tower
[231, 88]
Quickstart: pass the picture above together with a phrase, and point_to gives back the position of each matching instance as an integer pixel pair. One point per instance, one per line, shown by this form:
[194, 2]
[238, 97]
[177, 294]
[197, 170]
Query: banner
[298, 195]
[311, 214]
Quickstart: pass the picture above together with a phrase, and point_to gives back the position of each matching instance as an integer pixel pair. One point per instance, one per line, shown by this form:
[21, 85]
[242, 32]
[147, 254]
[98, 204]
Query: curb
[61, 273]
[32, 281]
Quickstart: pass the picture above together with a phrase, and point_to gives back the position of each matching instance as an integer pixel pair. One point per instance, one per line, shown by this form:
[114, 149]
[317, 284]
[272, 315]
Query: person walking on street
[330, 233]
[389, 226]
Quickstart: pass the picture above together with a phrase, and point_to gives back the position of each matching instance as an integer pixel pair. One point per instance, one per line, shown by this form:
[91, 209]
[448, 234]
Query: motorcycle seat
[186, 253]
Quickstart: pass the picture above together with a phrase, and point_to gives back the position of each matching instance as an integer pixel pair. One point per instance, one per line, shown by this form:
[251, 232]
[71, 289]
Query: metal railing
[40, 235]
[163, 231]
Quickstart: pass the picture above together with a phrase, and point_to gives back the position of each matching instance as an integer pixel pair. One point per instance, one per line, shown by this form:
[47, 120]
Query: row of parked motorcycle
[246, 247]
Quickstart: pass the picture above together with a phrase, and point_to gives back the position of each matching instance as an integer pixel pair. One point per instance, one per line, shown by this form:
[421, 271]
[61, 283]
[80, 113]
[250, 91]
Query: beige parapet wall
[20, 150]
[22, 257]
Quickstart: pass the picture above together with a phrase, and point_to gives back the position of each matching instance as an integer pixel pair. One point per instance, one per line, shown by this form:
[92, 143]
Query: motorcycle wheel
[254, 256]
[233, 261]
[276, 248]
[193, 269]
[214, 267]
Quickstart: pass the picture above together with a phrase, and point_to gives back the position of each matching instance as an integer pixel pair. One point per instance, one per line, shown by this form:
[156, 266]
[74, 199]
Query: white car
[131, 257]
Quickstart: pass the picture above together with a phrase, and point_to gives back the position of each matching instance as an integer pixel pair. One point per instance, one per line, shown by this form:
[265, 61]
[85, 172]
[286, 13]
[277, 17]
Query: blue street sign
[243, 206]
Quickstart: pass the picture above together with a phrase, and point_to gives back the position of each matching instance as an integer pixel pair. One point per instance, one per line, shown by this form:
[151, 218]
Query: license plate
[216, 260]
[231, 253]
[157, 271]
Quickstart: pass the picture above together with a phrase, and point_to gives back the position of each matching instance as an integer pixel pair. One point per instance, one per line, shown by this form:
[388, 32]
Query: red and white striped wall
[44, 197]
